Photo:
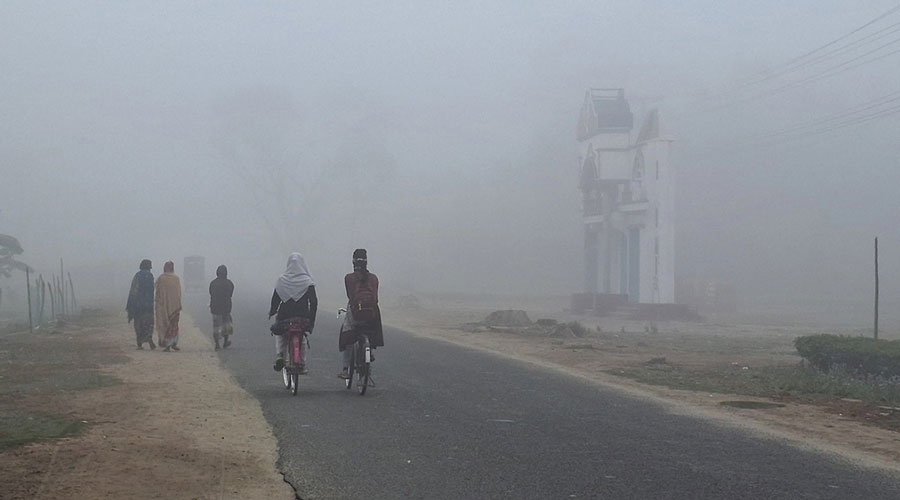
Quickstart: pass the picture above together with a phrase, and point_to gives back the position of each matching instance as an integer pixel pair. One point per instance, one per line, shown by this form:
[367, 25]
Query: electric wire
[836, 69]
[822, 128]
[872, 104]
[885, 113]
[866, 40]
[829, 44]
[806, 60]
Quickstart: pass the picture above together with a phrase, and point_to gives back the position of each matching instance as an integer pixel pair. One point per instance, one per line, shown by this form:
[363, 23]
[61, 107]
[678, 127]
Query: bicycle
[294, 333]
[360, 361]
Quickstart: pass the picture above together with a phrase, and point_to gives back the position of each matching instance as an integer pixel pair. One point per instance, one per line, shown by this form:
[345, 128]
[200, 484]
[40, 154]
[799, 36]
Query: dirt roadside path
[178, 426]
[806, 426]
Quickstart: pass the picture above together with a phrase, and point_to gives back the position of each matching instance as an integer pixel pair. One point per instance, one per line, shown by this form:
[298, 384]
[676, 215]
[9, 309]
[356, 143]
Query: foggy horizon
[441, 137]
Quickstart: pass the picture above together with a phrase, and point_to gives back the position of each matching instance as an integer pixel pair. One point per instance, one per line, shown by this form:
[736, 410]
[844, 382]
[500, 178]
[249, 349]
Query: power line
[836, 40]
[846, 122]
[855, 121]
[870, 38]
[872, 104]
[832, 71]
[806, 59]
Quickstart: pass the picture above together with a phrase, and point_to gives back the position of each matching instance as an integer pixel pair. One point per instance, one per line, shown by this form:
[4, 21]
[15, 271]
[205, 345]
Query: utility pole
[876, 288]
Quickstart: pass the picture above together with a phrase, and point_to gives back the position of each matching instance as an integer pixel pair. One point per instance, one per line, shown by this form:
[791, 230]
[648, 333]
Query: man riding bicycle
[363, 314]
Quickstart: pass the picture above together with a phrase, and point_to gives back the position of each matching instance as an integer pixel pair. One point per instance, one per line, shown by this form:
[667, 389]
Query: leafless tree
[296, 170]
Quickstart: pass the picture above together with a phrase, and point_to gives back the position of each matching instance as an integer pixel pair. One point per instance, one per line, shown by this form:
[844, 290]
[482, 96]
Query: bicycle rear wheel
[363, 368]
[286, 377]
[351, 369]
[363, 382]
[296, 341]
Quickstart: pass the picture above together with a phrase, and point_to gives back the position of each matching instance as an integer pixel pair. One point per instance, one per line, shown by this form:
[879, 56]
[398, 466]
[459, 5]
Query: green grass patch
[18, 428]
[769, 381]
[58, 381]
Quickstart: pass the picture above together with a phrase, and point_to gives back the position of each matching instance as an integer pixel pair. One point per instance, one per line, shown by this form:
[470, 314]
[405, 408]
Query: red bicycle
[293, 333]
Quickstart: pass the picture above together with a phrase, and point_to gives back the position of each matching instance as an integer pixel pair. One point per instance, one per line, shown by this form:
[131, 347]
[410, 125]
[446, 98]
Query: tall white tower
[628, 193]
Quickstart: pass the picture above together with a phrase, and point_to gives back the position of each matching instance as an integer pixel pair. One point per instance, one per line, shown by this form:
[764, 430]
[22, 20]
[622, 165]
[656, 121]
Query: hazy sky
[134, 129]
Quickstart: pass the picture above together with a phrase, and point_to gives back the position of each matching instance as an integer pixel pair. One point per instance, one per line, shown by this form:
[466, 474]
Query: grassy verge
[36, 368]
[772, 381]
[57, 381]
[18, 428]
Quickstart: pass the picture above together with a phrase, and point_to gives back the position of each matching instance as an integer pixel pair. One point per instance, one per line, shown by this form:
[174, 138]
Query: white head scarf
[295, 280]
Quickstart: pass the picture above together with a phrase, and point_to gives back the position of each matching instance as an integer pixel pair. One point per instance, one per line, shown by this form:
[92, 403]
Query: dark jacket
[305, 307]
[220, 291]
[140, 295]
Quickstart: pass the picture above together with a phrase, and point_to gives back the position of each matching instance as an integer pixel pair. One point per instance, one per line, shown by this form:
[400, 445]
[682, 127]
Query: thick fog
[441, 137]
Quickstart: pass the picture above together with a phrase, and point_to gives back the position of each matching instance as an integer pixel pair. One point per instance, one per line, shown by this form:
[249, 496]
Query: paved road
[445, 422]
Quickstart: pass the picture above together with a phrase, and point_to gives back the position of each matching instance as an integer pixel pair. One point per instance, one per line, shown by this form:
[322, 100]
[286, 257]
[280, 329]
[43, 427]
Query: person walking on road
[168, 307]
[294, 297]
[140, 305]
[220, 291]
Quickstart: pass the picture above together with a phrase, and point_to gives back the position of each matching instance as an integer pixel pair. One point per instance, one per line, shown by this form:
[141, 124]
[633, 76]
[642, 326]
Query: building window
[636, 187]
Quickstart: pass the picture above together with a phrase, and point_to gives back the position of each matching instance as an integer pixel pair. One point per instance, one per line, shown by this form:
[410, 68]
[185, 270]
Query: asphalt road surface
[445, 422]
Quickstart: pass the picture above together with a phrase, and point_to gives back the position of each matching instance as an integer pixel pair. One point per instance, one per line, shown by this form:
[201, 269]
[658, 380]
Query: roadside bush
[859, 356]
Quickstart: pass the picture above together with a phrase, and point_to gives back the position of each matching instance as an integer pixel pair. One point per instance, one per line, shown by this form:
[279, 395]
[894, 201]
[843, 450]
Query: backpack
[365, 305]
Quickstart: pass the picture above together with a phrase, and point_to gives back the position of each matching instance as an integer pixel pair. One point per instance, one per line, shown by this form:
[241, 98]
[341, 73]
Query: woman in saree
[168, 307]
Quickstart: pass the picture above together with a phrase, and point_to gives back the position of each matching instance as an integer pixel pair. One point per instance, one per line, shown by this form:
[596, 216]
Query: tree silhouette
[295, 169]
[9, 248]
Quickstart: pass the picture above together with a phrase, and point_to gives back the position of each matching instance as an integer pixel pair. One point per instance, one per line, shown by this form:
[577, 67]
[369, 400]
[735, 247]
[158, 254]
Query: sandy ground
[690, 344]
[179, 426]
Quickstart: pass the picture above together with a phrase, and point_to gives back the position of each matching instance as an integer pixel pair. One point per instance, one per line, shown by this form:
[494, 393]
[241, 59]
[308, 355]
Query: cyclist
[362, 309]
[294, 297]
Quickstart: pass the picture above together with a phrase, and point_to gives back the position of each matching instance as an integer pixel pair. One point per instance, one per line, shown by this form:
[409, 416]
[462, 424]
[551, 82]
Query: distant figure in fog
[168, 307]
[294, 297]
[220, 291]
[140, 305]
[363, 313]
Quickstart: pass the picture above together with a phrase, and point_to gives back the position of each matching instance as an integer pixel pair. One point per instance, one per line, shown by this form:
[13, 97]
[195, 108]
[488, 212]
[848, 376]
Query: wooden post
[60, 299]
[72, 294]
[52, 299]
[43, 298]
[42, 288]
[62, 287]
[28, 288]
[876, 288]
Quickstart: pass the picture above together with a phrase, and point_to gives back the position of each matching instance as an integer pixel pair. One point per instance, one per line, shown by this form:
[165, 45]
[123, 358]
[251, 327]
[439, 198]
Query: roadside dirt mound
[509, 317]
